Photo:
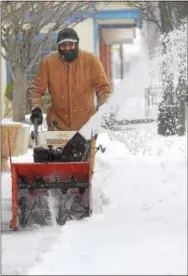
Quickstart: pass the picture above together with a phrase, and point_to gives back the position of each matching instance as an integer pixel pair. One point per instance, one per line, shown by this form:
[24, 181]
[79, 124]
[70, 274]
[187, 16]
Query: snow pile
[139, 224]
[7, 121]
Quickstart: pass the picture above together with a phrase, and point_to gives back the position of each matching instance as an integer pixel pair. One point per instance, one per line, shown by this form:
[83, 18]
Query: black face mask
[69, 55]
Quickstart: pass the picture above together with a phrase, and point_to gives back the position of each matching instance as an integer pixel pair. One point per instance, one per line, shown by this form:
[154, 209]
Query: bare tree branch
[166, 15]
[3, 55]
[22, 21]
[149, 11]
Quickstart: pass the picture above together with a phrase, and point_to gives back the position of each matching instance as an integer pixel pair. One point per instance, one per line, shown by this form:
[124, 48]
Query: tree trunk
[181, 120]
[166, 16]
[181, 97]
[19, 94]
[167, 110]
[167, 117]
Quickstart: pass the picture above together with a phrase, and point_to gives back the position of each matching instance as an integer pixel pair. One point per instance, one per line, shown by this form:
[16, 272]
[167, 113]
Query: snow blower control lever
[34, 133]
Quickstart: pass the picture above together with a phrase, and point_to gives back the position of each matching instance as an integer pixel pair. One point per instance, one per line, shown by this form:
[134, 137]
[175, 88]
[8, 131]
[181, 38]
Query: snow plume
[127, 100]
[174, 56]
[52, 206]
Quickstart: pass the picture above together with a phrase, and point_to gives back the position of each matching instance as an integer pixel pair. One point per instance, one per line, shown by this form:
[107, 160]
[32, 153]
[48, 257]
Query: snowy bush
[169, 67]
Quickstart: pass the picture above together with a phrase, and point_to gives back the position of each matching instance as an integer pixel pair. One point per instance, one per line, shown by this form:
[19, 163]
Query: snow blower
[56, 186]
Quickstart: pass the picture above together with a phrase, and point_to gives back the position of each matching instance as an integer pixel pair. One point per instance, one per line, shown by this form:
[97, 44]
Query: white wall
[114, 36]
[115, 5]
[86, 34]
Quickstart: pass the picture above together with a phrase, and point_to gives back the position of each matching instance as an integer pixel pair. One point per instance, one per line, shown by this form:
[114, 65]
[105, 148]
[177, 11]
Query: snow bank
[140, 216]
[7, 121]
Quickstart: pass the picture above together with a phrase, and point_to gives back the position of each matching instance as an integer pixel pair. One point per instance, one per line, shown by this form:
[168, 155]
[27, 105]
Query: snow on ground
[139, 224]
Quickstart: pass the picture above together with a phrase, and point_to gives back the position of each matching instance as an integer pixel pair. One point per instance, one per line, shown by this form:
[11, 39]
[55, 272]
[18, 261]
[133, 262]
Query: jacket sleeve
[99, 81]
[38, 86]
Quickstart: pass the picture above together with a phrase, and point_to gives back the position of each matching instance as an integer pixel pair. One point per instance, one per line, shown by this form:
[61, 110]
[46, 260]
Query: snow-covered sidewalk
[139, 225]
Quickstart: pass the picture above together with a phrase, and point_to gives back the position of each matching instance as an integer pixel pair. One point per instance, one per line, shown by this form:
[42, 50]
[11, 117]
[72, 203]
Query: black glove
[36, 114]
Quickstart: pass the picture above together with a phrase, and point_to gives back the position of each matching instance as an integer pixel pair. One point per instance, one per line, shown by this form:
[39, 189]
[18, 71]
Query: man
[72, 76]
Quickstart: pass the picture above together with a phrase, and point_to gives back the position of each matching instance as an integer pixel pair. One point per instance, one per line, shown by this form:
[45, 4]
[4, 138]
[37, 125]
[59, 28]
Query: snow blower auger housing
[58, 180]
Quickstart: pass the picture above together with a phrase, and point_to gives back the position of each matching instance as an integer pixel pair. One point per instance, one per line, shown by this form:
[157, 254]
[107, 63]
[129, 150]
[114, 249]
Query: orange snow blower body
[59, 176]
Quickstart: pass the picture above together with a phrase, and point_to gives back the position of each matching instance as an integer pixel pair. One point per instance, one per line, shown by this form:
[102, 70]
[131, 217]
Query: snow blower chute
[59, 178]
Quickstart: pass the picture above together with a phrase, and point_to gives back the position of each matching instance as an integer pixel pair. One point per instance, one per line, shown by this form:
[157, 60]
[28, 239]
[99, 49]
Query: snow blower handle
[34, 133]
